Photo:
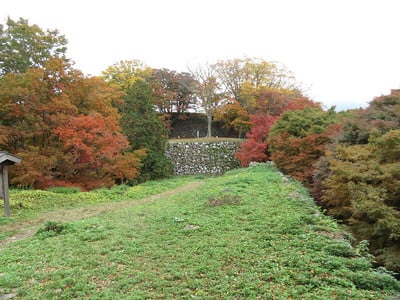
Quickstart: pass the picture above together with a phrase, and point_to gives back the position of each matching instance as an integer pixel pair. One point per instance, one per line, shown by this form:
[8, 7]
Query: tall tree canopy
[240, 74]
[173, 92]
[125, 72]
[208, 91]
[234, 116]
[139, 120]
[33, 104]
[23, 46]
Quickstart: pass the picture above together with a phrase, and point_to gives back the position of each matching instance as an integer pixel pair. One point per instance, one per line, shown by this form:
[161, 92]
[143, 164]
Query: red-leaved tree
[299, 138]
[92, 143]
[255, 147]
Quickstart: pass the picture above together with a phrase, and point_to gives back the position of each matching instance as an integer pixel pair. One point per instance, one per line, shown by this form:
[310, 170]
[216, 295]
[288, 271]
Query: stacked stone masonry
[192, 158]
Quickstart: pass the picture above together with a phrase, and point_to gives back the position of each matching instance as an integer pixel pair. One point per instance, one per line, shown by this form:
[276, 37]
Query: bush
[374, 281]
[52, 228]
[340, 249]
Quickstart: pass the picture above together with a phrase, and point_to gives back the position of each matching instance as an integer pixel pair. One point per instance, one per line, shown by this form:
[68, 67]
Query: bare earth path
[27, 228]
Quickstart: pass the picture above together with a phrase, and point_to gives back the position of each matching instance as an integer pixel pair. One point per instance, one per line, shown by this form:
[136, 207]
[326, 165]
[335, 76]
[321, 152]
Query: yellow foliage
[125, 72]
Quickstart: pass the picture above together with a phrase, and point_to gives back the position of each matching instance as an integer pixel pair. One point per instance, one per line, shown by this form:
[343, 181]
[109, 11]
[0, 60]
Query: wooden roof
[7, 158]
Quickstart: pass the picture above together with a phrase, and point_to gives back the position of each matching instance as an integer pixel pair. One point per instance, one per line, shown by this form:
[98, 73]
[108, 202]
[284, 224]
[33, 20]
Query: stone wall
[209, 157]
[191, 124]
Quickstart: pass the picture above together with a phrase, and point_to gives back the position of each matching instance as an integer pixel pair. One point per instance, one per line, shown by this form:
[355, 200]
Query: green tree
[387, 151]
[144, 130]
[23, 46]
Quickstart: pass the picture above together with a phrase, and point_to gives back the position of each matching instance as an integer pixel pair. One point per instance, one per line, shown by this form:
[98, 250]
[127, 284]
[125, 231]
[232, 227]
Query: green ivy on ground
[250, 234]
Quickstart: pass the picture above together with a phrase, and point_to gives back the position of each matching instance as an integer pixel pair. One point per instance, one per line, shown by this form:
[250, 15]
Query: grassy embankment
[250, 234]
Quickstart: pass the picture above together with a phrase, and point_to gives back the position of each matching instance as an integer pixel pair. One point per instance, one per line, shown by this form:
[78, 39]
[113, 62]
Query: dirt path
[27, 228]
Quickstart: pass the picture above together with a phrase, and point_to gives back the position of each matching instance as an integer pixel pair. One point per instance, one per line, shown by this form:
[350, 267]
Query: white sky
[346, 51]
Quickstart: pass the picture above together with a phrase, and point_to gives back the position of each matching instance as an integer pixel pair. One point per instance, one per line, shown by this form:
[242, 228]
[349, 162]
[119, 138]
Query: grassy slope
[30, 204]
[273, 245]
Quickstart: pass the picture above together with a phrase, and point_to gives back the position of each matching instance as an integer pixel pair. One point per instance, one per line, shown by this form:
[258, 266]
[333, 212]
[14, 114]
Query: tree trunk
[209, 123]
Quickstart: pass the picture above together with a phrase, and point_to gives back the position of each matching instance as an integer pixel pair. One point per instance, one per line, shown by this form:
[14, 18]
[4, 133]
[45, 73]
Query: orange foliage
[126, 166]
[95, 145]
[36, 168]
[296, 156]
[91, 139]
[65, 127]
[233, 115]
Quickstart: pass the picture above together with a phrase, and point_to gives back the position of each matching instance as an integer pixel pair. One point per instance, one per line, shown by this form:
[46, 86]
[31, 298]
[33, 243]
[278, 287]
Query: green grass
[30, 203]
[250, 234]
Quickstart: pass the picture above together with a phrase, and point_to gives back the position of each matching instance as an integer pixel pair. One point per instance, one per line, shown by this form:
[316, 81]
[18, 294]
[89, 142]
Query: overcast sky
[345, 51]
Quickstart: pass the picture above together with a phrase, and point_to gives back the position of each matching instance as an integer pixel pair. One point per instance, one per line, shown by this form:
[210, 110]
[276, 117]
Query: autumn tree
[358, 181]
[274, 102]
[254, 149]
[232, 74]
[173, 92]
[383, 113]
[381, 116]
[95, 150]
[363, 188]
[95, 95]
[208, 92]
[144, 130]
[44, 110]
[125, 72]
[270, 104]
[232, 115]
[24, 46]
[239, 76]
[31, 108]
[299, 138]
[32, 105]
